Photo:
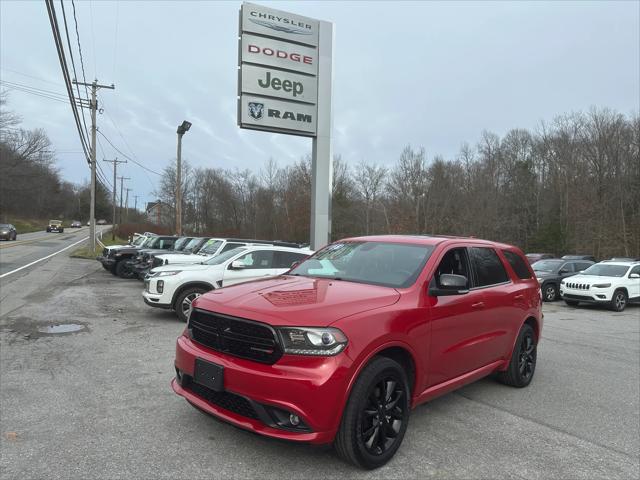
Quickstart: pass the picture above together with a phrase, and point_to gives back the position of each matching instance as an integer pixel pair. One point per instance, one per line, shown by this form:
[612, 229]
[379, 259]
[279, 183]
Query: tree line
[570, 186]
[31, 187]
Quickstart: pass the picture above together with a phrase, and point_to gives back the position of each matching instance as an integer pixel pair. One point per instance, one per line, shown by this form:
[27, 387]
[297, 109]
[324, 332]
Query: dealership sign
[278, 71]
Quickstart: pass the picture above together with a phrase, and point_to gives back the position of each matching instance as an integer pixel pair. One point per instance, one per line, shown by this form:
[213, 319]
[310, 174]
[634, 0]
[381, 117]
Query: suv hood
[181, 258]
[183, 268]
[297, 301]
[593, 279]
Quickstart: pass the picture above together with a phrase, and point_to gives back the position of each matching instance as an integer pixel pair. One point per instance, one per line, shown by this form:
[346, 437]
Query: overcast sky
[427, 74]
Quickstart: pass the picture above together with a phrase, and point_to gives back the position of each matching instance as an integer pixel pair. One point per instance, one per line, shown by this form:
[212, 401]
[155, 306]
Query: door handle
[477, 305]
[519, 297]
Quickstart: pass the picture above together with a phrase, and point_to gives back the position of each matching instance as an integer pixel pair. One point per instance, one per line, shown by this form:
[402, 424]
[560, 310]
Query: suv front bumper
[313, 388]
[592, 295]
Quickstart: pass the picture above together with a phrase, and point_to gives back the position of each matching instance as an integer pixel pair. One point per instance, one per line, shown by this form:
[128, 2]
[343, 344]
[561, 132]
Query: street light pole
[182, 129]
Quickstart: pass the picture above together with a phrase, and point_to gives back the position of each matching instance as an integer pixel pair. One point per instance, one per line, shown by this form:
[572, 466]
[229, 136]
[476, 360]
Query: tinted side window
[518, 264]
[454, 262]
[568, 267]
[166, 243]
[259, 259]
[582, 266]
[286, 259]
[635, 270]
[488, 267]
[231, 246]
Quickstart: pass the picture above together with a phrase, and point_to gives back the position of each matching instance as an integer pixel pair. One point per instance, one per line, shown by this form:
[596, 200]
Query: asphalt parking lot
[96, 403]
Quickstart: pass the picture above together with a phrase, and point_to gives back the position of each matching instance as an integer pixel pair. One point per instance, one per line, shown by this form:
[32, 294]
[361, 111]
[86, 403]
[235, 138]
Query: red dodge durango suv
[344, 345]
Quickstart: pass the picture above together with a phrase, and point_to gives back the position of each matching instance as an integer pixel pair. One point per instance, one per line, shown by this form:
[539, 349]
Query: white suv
[176, 286]
[607, 283]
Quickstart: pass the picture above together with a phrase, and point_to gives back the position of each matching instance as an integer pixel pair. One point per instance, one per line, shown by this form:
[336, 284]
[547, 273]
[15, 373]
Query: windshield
[193, 243]
[210, 247]
[602, 270]
[547, 265]
[223, 257]
[150, 243]
[139, 241]
[4, 225]
[181, 243]
[377, 263]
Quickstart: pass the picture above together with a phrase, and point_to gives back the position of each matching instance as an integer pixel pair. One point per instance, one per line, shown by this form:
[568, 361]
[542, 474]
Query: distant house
[159, 213]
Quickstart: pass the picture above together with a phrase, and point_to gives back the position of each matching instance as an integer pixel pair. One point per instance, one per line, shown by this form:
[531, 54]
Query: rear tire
[184, 300]
[523, 360]
[619, 301]
[376, 416]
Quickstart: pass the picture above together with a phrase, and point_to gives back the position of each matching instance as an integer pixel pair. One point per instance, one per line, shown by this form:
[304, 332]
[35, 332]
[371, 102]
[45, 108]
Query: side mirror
[237, 265]
[634, 275]
[449, 284]
[563, 271]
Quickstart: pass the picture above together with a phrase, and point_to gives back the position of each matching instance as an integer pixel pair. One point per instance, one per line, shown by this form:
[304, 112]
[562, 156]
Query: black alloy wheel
[619, 301]
[123, 270]
[522, 366]
[549, 292]
[376, 416]
[184, 301]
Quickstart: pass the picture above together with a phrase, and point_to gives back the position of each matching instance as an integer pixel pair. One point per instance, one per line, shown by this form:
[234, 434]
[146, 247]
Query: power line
[73, 63]
[75, 20]
[65, 73]
[126, 156]
[30, 76]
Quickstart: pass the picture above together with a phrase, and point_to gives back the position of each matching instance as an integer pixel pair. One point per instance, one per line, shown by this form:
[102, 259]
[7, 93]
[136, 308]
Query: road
[30, 247]
[97, 403]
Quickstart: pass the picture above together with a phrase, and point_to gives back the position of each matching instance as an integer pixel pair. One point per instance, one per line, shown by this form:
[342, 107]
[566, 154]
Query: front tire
[619, 301]
[376, 416]
[523, 360]
[549, 292]
[122, 270]
[184, 300]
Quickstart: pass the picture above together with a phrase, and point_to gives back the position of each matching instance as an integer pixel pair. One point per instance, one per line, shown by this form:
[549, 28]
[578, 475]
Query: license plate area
[209, 374]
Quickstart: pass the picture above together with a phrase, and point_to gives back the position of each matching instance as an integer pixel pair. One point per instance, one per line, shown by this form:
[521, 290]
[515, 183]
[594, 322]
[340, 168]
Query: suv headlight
[601, 285]
[167, 274]
[312, 341]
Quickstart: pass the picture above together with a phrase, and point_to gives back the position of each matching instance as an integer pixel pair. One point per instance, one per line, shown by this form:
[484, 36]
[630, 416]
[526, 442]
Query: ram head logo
[256, 110]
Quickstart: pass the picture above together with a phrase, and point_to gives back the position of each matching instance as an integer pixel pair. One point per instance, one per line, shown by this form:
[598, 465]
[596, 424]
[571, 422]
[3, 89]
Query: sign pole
[322, 151]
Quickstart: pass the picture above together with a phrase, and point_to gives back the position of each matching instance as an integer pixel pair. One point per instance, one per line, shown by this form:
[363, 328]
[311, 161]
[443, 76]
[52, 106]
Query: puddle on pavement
[62, 328]
[24, 328]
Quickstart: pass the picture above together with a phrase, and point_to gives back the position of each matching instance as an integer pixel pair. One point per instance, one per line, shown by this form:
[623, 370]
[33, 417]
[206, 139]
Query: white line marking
[44, 258]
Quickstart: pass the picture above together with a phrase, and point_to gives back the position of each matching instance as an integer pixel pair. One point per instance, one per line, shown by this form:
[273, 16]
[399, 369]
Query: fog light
[294, 420]
[160, 286]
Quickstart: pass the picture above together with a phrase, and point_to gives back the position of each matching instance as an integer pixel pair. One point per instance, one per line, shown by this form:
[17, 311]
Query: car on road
[76, 224]
[613, 284]
[102, 221]
[342, 347]
[8, 231]
[550, 273]
[176, 286]
[55, 226]
[536, 257]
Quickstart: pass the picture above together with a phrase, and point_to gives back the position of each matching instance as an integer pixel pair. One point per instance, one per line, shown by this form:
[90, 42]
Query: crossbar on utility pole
[115, 162]
[122, 179]
[94, 108]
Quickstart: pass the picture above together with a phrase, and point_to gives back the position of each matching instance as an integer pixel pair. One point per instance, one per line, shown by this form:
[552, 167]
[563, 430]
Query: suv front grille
[227, 400]
[235, 336]
[579, 286]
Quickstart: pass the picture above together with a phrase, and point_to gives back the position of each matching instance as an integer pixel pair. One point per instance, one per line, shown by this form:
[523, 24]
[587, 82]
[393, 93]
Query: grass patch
[86, 252]
[30, 225]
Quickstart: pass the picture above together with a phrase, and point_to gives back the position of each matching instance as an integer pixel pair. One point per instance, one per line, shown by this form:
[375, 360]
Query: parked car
[175, 287]
[623, 259]
[551, 272]
[536, 257]
[102, 221]
[216, 246]
[613, 284]
[340, 348]
[139, 241]
[193, 247]
[580, 257]
[55, 226]
[8, 231]
[142, 262]
[119, 261]
[76, 224]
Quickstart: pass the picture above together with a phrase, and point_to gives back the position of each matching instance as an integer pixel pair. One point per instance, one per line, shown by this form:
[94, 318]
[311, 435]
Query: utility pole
[182, 129]
[94, 108]
[115, 162]
[136, 203]
[126, 204]
[122, 179]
